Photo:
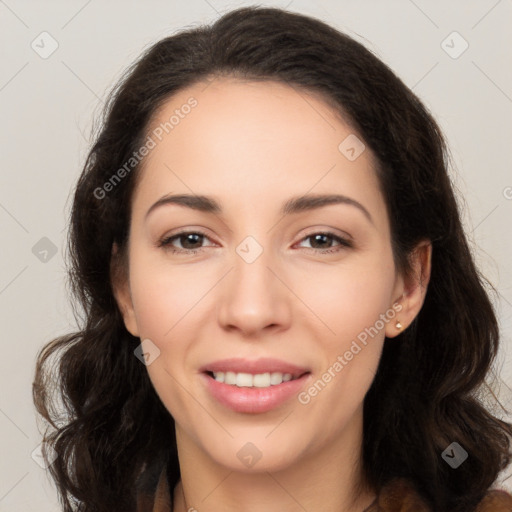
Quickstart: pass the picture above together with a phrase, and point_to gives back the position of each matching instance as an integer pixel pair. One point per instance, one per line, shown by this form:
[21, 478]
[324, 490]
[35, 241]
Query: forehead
[228, 109]
[246, 141]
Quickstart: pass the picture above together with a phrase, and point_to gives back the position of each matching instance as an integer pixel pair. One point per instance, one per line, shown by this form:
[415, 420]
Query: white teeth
[243, 380]
[261, 380]
[229, 377]
[276, 378]
[247, 380]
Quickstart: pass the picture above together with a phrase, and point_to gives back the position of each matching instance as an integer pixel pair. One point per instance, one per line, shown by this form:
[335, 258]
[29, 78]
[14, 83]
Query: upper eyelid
[188, 232]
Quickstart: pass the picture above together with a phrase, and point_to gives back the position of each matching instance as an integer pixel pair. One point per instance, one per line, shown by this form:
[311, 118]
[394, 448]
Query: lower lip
[253, 400]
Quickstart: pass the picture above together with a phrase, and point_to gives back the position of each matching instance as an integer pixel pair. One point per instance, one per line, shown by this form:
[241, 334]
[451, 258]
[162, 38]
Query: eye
[191, 242]
[322, 237]
[190, 238]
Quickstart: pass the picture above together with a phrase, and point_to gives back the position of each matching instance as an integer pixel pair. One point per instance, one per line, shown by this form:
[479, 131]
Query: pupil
[319, 237]
[189, 236]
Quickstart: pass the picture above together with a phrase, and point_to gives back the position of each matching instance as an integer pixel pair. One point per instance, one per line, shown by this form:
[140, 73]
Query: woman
[281, 311]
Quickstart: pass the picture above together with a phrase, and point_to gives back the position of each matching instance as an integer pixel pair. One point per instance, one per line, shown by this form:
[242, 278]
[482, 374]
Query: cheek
[164, 295]
[163, 299]
[349, 299]
[352, 303]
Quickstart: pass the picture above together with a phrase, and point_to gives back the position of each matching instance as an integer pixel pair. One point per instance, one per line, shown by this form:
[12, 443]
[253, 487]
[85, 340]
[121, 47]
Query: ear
[411, 290]
[121, 289]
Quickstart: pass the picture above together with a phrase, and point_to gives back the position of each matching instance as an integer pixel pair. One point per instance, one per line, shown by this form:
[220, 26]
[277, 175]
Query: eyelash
[166, 242]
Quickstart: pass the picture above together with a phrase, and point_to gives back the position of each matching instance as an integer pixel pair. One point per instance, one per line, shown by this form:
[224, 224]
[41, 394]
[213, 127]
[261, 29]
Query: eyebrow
[291, 206]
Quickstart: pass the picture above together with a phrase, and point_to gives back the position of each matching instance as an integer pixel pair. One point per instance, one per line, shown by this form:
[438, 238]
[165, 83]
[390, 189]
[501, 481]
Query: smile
[253, 394]
[260, 380]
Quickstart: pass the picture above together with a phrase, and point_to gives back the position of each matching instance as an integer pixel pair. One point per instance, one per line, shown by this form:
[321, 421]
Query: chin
[255, 453]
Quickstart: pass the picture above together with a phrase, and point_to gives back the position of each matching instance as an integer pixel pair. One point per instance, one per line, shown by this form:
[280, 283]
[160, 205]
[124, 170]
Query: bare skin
[252, 146]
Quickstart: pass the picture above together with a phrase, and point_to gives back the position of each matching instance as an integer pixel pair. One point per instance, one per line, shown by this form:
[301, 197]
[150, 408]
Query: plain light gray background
[48, 104]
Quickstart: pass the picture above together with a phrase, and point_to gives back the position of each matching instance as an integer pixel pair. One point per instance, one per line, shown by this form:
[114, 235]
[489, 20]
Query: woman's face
[259, 282]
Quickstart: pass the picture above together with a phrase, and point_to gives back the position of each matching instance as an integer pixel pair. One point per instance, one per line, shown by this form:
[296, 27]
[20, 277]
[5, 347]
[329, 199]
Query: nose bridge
[252, 279]
[253, 297]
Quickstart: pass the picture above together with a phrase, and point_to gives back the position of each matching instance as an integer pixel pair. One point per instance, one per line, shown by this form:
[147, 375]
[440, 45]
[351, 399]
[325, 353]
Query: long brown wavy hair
[107, 426]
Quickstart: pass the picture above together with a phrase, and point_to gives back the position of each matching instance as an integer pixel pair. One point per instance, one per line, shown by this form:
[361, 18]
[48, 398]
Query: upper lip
[263, 365]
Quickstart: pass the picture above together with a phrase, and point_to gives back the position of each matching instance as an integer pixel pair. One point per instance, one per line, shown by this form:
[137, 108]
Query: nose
[254, 296]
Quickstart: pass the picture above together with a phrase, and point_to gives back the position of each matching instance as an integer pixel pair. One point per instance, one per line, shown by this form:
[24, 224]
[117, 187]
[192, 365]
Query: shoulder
[496, 500]
[401, 495]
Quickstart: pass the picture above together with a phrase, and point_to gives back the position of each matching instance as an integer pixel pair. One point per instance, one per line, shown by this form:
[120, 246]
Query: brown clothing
[398, 496]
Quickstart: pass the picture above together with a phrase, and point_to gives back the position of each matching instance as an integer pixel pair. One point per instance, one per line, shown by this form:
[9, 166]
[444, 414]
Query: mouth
[253, 367]
[253, 386]
[249, 380]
